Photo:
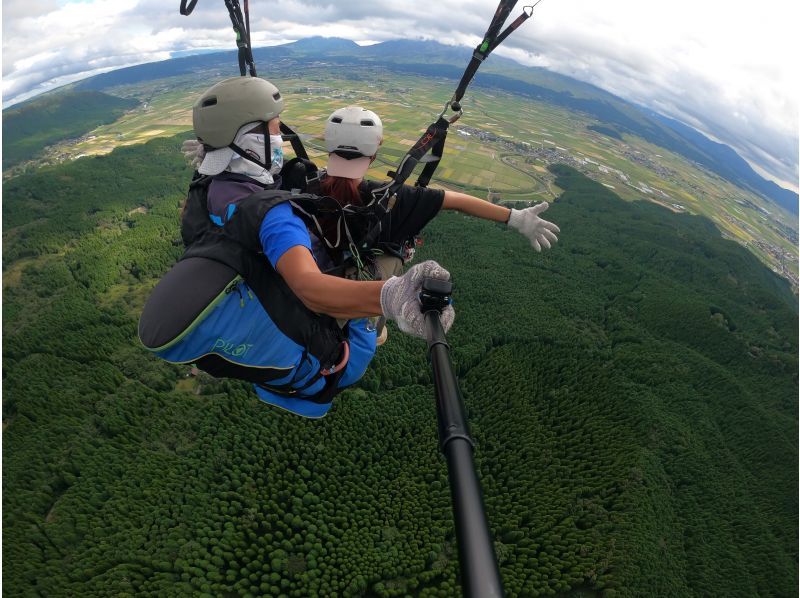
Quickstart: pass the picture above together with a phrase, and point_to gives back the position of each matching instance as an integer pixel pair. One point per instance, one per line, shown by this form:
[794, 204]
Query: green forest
[632, 393]
[43, 121]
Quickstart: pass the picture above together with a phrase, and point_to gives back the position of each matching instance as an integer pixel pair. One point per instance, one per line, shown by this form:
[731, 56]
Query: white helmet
[352, 138]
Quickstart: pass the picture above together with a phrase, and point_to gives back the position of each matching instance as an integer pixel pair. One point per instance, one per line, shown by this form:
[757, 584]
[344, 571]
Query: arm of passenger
[322, 293]
[473, 206]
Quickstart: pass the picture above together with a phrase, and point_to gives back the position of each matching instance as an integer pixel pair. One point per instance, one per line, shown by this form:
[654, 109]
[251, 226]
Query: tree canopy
[632, 393]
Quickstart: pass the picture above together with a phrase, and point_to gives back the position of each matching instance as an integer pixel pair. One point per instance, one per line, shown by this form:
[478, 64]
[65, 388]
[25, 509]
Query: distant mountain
[184, 53]
[323, 44]
[430, 58]
[407, 50]
[50, 118]
[729, 160]
[159, 70]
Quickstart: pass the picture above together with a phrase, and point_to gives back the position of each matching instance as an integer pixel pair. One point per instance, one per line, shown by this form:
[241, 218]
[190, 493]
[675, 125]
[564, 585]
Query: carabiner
[455, 106]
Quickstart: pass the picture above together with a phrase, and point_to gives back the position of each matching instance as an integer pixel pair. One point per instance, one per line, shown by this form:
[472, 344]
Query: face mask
[253, 144]
[276, 144]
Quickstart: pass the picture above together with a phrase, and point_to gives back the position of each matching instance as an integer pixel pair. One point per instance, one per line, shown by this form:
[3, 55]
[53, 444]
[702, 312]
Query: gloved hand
[540, 232]
[194, 151]
[400, 298]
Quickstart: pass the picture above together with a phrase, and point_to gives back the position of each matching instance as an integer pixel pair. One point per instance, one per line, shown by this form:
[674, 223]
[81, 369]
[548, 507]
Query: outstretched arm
[539, 232]
[467, 204]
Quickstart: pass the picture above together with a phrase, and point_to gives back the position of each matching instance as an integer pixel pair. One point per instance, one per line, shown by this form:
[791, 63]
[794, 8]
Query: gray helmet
[230, 104]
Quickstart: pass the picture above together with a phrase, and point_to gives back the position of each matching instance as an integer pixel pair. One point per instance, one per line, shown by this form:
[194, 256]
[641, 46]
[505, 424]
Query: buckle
[345, 357]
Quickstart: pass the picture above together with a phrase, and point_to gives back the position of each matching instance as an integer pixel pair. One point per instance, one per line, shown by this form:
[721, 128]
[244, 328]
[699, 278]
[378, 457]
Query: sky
[728, 69]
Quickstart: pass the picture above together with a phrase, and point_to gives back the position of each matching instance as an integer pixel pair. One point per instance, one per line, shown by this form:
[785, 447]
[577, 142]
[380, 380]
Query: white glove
[400, 298]
[194, 151]
[540, 232]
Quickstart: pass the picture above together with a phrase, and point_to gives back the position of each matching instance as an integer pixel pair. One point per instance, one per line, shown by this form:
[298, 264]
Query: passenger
[352, 138]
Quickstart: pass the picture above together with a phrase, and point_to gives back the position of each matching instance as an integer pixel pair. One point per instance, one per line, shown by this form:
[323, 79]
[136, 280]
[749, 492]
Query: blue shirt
[281, 230]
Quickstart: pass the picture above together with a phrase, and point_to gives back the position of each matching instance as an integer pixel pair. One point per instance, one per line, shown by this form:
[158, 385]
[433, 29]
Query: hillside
[54, 117]
[632, 393]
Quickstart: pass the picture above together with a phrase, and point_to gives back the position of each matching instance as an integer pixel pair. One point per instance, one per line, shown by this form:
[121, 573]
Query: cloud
[14, 10]
[731, 74]
[726, 71]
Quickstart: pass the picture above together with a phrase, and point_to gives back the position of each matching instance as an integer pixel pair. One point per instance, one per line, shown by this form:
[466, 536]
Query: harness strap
[433, 159]
[247, 29]
[331, 377]
[432, 138]
[485, 47]
[322, 397]
[343, 362]
[187, 10]
[294, 139]
[526, 14]
[240, 27]
[311, 217]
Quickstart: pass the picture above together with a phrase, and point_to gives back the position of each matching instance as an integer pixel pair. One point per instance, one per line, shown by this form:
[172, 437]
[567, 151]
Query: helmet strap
[250, 158]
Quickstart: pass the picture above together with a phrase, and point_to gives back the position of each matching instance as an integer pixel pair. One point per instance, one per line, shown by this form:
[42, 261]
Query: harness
[217, 260]
[303, 177]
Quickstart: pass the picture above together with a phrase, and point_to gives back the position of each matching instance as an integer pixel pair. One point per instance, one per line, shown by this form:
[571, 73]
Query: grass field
[500, 164]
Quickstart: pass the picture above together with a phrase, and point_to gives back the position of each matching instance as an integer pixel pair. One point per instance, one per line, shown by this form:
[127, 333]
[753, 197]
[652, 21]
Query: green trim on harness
[200, 317]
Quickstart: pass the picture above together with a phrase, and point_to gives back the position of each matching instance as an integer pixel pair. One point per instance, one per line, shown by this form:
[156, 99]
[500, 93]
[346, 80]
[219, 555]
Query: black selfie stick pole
[480, 575]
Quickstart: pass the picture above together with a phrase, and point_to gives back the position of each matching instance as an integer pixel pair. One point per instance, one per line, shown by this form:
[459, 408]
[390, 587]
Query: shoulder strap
[245, 223]
[194, 219]
[294, 139]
